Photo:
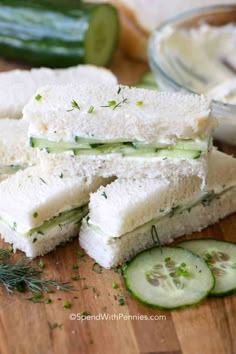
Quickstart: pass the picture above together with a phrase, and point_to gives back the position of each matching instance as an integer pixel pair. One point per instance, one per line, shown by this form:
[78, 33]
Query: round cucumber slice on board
[221, 258]
[168, 278]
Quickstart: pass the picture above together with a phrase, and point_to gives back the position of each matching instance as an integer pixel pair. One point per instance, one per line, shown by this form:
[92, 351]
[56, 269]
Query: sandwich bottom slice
[38, 212]
[127, 216]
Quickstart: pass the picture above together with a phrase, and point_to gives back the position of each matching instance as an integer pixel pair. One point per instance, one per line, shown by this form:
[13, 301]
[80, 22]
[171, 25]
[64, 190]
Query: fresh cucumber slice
[221, 258]
[101, 37]
[83, 146]
[56, 146]
[11, 169]
[147, 81]
[168, 278]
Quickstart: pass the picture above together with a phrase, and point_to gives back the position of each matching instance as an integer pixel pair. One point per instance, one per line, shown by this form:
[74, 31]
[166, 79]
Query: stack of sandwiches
[136, 165]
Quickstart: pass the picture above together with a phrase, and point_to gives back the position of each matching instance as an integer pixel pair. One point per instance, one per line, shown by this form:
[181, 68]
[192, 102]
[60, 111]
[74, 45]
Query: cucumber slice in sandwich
[182, 149]
[168, 278]
[221, 258]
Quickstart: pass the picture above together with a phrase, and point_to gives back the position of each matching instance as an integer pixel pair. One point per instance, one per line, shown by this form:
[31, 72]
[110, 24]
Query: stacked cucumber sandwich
[127, 216]
[120, 131]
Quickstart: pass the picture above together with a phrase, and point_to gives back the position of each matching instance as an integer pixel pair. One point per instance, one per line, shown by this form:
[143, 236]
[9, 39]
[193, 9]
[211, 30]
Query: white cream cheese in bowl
[200, 58]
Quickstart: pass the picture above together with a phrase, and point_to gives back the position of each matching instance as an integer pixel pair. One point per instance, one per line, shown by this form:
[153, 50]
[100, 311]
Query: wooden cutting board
[25, 327]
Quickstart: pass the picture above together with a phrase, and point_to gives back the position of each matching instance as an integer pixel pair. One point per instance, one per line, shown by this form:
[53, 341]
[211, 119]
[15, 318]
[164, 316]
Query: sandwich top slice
[128, 216]
[115, 126]
[39, 211]
[17, 86]
[15, 153]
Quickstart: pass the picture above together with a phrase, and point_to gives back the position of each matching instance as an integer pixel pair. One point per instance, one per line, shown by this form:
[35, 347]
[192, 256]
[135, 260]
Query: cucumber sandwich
[18, 86]
[38, 212]
[15, 151]
[128, 216]
[121, 131]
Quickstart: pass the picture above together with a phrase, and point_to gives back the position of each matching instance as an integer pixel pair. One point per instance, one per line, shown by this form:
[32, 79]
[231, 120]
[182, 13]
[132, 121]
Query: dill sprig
[23, 276]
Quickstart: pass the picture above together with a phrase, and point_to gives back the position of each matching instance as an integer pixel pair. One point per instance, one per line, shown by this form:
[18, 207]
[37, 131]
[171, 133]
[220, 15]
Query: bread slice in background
[18, 86]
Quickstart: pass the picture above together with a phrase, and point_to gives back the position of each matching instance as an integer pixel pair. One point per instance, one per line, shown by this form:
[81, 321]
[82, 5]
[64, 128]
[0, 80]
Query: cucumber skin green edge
[162, 307]
[38, 43]
[227, 293]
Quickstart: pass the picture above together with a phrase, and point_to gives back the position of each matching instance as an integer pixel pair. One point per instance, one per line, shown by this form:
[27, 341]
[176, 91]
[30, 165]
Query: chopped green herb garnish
[38, 97]
[14, 226]
[10, 248]
[35, 215]
[118, 91]
[74, 105]
[80, 253]
[97, 268]
[155, 237]
[74, 266]
[42, 180]
[115, 285]
[121, 301]
[124, 100]
[47, 300]
[41, 264]
[139, 103]
[104, 195]
[84, 313]
[55, 325]
[66, 304]
[61, 175]
[167, 259]
[91, 109]
[120, 269]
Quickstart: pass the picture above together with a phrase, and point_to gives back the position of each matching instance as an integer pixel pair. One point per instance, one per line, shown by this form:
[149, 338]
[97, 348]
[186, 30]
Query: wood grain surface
[26, 328]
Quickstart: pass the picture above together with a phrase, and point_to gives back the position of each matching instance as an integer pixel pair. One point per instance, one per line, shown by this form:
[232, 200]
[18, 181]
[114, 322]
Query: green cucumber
[63, 218]
[147, 81]
[221, 258]
[86, 147]
[55, 146]
[11, 169]
[44, 33]
[168, 278]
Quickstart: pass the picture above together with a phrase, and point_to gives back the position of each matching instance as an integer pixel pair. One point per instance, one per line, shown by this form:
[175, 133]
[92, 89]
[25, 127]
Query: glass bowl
[212, 15]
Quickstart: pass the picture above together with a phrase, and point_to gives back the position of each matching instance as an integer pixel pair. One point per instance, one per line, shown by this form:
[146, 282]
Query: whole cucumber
[43, 33]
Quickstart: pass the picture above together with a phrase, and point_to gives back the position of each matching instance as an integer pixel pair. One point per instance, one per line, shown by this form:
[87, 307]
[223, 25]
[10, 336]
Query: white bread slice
[30, 197]
[111, 252]
[17, 86]
[124, 167]
[163, 117]
[112, 235]
[124, 205]
[14, 147]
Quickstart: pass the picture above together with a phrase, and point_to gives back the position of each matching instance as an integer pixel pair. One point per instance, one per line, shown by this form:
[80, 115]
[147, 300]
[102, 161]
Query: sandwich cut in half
[38, 212]
[121, 131]
[18, 86]
[15, 153]
[128, 216]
